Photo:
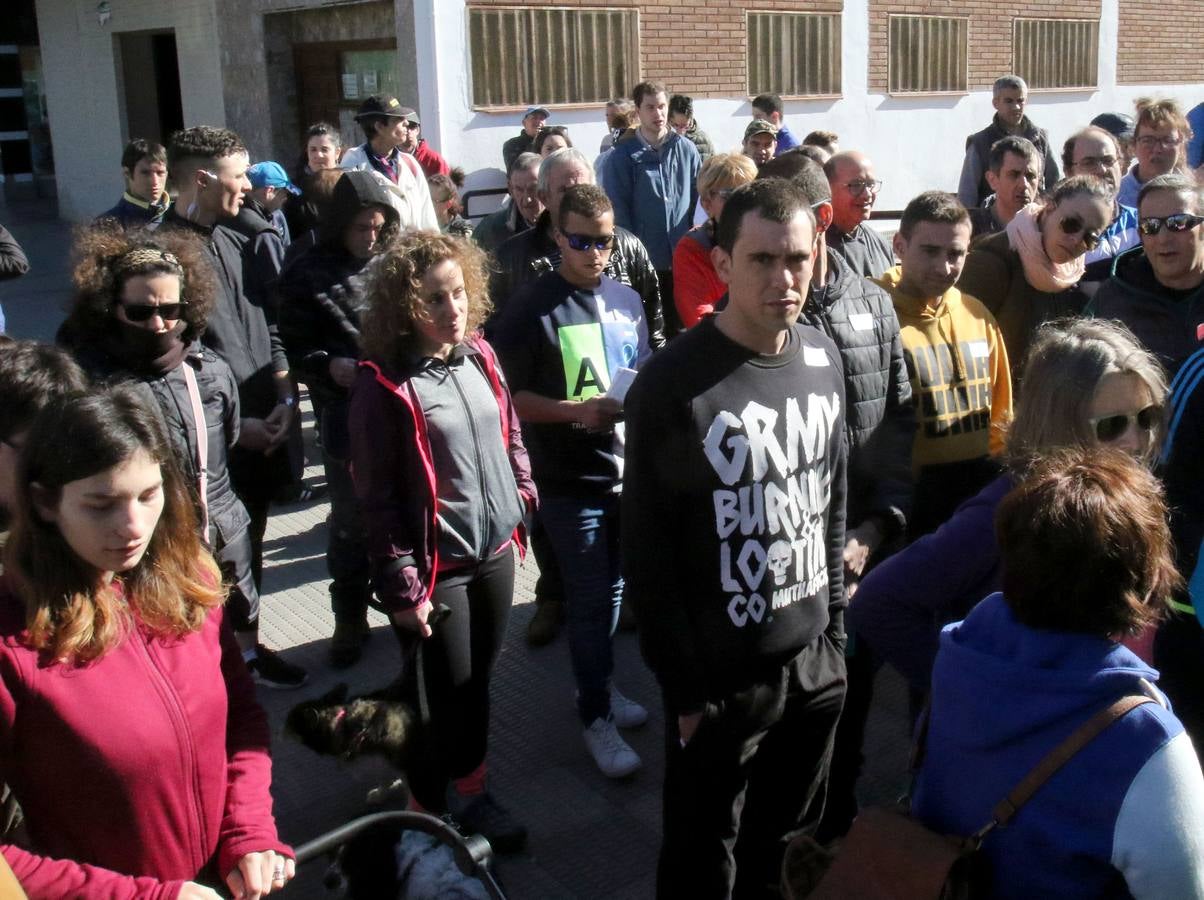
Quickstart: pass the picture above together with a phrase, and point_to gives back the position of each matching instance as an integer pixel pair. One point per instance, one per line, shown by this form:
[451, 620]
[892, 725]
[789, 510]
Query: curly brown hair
[394, 289]
[99, 276]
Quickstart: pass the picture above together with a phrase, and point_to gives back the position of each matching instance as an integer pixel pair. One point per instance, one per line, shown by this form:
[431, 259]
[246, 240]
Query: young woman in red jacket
[129, 729]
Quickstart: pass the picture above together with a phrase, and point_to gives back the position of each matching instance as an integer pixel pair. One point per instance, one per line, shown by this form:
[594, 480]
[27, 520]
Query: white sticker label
[862, 321]
[815, 356]
[979, 349]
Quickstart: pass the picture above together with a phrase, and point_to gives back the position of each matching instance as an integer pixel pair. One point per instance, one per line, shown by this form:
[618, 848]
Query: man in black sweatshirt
[736, 436]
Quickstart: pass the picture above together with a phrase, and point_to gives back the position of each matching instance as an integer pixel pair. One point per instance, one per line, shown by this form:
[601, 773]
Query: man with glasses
[1095, 151]
[523, 210]
[1158, 292]
[1161, 136]
[1009, 96]
[854, 192]
[568, 342]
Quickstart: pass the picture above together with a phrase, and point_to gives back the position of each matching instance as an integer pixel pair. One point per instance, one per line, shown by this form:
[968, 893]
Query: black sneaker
[268, 669]
[485, 816]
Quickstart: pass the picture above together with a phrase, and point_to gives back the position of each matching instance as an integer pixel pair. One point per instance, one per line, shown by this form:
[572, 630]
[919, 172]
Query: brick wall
[990, 32]
[696, 48]
[1161, 41]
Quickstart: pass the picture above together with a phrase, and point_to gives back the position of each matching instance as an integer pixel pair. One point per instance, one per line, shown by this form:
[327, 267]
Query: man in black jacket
[732, 542]
[1009, 97]
[320, 299]
[855, 188]
[523, 142]
[209, 170]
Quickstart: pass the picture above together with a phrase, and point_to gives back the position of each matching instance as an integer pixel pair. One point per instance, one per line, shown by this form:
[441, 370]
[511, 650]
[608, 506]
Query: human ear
[722, 262]
[823, 217]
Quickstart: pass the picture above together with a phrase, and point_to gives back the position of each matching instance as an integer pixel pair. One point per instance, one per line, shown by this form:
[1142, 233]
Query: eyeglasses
[587, 242]
[1167, 143]
[864, 187]
[1111, 428]
[141, 312]
[1092, 162]
[1176, 223]
[1073, 225]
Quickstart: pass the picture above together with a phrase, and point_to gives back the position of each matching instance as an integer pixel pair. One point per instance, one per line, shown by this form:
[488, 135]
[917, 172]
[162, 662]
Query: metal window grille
[794, 54]
[1056, 53]
[523, 55]
[928, 54]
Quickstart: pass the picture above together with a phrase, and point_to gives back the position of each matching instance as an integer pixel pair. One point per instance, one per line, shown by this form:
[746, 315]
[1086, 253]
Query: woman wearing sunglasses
[140, 305]
[1087, 383]
[1032, 271]
[443, 480]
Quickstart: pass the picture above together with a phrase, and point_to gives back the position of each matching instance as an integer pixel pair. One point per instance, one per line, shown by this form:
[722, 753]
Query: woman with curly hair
[444, 482]
[140, 306]
[129, 730]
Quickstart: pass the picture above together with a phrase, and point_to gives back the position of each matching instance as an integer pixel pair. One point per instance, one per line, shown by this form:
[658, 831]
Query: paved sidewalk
[590, 837]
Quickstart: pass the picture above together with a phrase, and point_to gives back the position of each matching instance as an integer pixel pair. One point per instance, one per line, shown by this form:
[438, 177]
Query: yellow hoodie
[959, 374]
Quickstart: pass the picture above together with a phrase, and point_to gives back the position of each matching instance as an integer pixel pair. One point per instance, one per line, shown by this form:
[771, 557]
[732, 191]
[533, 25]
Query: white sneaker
[610, 751]
[626, 712]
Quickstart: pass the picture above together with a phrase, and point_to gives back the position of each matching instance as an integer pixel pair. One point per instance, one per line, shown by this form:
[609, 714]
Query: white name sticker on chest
[979, 349]
[815, 356]
[862, 321]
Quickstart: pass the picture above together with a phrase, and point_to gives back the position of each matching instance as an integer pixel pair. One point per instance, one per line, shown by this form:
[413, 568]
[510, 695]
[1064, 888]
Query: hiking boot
[614, 758]
[545, 624]
[347, 644]
[626, 713]
[482, 814]
[270, 670]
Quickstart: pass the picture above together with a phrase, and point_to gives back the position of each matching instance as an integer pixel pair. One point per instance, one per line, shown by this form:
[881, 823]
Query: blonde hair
[725, 170]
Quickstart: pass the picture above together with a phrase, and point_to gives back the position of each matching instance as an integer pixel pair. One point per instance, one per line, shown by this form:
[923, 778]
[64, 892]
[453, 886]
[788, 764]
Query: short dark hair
[644, 88]
[932, 206]
[1014, 144]
[823, 139]
[773, 199]
[681, 105]
[139, 149]
[324, 129]
[770, 103]
[1089, 131]
[817, 155]
[205, 142]
[586, 200]
[803, 171]
[1085, 545]
[32, 376]
[369, 122]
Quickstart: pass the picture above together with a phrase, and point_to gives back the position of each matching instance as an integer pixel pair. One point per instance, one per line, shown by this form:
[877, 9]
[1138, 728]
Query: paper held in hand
[620, 384]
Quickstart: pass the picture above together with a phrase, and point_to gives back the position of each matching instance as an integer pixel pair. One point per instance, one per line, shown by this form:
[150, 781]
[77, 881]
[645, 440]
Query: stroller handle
[473, 854]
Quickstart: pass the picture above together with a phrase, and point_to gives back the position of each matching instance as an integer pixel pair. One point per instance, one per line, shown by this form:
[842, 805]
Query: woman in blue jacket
[1087, 558]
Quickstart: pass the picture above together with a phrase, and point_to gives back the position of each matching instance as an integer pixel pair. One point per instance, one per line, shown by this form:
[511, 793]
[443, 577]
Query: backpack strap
[1006, 809]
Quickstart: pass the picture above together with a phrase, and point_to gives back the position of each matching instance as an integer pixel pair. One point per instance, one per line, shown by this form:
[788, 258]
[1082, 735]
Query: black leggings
[457, 661]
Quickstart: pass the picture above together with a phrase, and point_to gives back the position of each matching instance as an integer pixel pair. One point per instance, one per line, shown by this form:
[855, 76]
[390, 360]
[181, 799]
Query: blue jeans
[584, 533]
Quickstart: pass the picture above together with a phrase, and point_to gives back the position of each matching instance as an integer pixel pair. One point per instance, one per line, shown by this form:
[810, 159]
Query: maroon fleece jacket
[137, 771]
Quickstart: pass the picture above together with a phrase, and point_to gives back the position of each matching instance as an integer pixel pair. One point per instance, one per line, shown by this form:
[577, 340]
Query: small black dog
[375, 724]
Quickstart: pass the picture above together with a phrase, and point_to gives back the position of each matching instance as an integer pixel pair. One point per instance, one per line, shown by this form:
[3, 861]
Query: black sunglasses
[585, 242]
[142, 312]
[1073, 225]
[1177, 223]
[1109, 428]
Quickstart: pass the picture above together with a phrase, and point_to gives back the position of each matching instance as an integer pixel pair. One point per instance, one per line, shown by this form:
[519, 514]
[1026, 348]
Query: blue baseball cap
[271, 174]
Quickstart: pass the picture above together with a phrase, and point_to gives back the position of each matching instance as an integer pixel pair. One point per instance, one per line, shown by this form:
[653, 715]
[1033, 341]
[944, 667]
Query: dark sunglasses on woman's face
[141, 312]
[585, 242]
[1109, 428]
[1073, 225]
[1175, 224]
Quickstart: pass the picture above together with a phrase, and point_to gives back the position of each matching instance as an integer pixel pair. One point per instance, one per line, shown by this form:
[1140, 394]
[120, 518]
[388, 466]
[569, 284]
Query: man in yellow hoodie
[955, 357]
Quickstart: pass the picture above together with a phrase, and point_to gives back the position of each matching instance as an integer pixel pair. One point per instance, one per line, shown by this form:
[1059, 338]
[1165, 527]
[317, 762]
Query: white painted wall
[917, 143]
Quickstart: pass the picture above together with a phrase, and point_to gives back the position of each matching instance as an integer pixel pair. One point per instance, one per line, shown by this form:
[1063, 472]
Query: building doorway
[149, 72]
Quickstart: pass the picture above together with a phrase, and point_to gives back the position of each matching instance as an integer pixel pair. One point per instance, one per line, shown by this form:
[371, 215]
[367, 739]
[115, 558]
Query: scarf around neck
[1024, 236]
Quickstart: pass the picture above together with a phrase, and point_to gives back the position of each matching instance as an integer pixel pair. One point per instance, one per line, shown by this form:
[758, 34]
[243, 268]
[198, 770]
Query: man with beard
[320, 299]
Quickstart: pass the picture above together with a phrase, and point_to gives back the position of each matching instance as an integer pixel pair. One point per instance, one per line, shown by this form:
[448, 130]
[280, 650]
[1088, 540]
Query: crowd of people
[720, 406]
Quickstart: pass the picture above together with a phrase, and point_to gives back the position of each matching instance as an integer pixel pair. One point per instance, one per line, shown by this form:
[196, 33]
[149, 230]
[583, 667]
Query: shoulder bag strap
[202, 447]
[1007, 808]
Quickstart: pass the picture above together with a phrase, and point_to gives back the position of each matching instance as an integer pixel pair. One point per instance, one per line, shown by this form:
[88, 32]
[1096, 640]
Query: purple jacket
[395, 478]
